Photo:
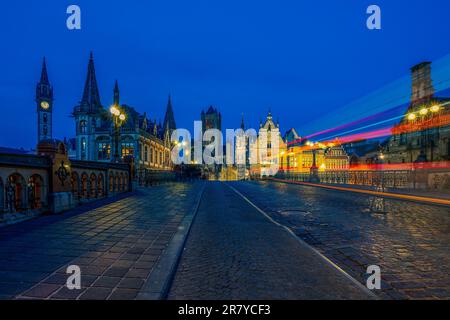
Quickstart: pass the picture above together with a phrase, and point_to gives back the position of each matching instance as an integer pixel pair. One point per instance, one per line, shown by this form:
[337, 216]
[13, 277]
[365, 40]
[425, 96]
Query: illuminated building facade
[140, 138]
[423, 135]
[272, 155]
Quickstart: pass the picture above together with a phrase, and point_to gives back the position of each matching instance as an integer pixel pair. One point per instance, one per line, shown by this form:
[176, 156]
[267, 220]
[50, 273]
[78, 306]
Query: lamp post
[118, 119]
[314, 170]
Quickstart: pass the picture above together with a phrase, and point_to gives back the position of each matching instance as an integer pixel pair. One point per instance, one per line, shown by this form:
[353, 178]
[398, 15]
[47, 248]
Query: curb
[160, 280]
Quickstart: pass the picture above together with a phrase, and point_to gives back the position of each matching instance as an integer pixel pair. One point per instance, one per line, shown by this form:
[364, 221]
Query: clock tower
[44, 101]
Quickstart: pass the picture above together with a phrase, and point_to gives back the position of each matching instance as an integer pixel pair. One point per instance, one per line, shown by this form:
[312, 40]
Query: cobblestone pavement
[410, 242]
[234, 252]
[115, 244]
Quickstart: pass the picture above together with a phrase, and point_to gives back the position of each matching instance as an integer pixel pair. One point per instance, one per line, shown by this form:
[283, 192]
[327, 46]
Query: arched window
[93, 186]
[75, 183]
[100, 185]
[16, 193]
[83, 126]
[84, 185]
[146, 154]
[35, 191]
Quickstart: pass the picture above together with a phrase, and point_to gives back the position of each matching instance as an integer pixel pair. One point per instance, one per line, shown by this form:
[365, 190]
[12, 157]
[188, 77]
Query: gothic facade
[146, 141]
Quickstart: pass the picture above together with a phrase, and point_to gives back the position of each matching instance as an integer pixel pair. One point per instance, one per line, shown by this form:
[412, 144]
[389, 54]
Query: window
[83, 149]
[403, 139]
[160, 157]
[127, 149]
[146, 154]
[45, 118]
[83, 126]
[104, 151]
[151, 154]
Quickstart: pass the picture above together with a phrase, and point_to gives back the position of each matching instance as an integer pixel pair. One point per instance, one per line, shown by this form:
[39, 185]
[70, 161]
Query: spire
[44, 75]
[242, 122]
[269, 115]
[91, 96]
[116, 94]
[44, 91]
[169, 119]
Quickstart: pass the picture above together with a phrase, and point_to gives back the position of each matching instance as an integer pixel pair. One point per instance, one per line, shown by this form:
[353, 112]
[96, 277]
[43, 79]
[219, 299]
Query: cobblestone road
[234, 252]
[411, 242]
[116, 246]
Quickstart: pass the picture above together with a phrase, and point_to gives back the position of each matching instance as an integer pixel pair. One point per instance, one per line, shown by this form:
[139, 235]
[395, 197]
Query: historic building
[146, 141]
[423, 135]
[336, 158]
[270, 148]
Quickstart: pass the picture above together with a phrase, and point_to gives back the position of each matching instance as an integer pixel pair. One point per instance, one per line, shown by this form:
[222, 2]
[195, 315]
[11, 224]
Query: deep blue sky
[303, 59]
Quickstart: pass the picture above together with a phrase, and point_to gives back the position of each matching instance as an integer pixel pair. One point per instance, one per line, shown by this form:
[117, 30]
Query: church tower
[44, 103]
[422, 84]
[88, 115]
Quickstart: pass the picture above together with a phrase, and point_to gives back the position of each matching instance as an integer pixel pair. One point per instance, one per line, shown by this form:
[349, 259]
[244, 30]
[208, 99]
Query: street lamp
[118, 119]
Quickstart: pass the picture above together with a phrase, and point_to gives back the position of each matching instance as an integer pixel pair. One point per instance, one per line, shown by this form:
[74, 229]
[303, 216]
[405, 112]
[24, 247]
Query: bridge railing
[147, 177]
[438, 180]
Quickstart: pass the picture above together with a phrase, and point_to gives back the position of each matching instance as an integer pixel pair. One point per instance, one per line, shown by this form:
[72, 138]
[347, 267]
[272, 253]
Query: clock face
[45, 105]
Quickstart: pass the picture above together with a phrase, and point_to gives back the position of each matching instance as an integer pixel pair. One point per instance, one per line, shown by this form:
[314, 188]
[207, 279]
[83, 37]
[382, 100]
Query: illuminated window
[104, 151]
[83, 149]
[127, 149]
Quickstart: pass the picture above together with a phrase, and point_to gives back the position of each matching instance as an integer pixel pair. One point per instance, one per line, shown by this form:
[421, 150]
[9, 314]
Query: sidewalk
[116, 246]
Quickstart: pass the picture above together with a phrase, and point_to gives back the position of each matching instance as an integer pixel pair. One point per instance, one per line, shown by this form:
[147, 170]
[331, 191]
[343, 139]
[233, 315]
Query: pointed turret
[44, 91]
[242, 122]
[44, 74]
[116, 94]
[90, 101]
[169, 119]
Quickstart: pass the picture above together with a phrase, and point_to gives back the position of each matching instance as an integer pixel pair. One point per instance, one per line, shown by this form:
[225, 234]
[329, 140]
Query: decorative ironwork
[62, 173]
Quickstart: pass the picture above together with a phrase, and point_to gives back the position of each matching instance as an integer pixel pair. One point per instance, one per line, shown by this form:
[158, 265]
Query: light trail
[370, 192]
